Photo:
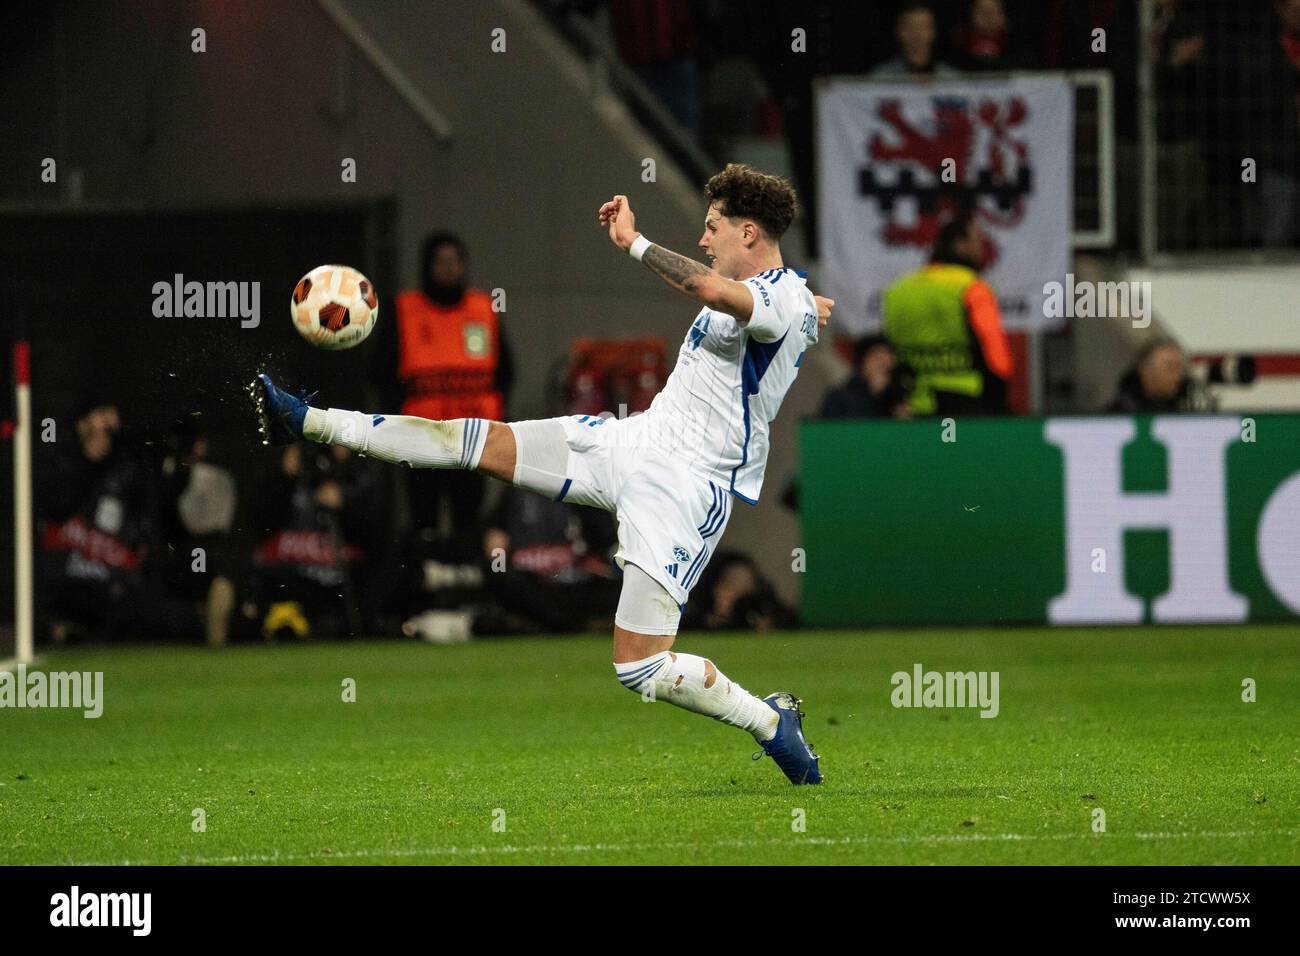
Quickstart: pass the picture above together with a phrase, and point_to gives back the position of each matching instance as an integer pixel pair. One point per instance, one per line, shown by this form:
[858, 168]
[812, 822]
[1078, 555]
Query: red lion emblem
[999, 170]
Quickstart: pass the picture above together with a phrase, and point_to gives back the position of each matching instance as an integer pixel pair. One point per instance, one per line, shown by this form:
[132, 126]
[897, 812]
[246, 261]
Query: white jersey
[715, 408]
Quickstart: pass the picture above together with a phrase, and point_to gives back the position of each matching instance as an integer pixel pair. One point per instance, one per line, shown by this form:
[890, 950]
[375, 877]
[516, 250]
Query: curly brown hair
[742, 192]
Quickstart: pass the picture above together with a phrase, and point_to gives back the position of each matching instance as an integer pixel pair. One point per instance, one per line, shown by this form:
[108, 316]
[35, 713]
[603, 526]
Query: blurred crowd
[1225, 83]
[141, 538]
[943, 350]
[741, 79]
[144, 539]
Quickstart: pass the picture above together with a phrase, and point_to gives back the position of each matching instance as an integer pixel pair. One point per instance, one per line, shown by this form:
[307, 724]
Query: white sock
[401, 439]
[679, 679]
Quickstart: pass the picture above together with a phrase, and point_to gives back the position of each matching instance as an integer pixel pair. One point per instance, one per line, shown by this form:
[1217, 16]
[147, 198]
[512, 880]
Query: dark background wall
[258, 125]
[84, 290]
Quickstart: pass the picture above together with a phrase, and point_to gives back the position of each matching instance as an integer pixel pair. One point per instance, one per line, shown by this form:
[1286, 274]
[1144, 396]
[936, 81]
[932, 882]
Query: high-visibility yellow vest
[926, 323]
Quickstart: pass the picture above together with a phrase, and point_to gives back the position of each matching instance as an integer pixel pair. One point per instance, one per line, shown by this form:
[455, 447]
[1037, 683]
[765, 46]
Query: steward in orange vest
[452, 359]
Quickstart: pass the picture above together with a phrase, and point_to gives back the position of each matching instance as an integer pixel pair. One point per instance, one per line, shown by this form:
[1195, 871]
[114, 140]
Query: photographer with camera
[1162, 380]
[736, 597]
[1156, 383]
[97, 557]
[318, 516]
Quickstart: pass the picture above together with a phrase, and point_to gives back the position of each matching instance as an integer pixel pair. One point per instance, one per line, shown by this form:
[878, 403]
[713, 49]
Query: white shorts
[670, 519]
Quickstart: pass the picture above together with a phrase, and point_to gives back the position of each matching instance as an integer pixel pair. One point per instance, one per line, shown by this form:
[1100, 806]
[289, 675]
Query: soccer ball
[334, 307]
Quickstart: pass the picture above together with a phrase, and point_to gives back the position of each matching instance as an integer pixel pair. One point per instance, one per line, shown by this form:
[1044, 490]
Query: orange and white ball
[334, 307]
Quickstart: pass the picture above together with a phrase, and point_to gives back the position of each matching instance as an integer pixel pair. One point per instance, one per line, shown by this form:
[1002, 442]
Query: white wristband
[639, 245]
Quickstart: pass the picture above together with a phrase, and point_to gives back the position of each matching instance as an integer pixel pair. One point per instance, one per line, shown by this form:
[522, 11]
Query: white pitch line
[641, 847]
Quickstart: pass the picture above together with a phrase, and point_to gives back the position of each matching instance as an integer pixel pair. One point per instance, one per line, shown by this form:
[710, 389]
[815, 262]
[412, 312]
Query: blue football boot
[279, 414]
[792, 753]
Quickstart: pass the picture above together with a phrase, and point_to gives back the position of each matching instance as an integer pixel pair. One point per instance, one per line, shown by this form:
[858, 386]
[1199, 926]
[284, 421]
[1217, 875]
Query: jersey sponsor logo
[810, 325]
[762, 291]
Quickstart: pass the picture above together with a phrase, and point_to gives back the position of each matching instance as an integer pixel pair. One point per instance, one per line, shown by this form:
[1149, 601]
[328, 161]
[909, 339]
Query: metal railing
[402, 85]
[610, 72]
[1094, 159]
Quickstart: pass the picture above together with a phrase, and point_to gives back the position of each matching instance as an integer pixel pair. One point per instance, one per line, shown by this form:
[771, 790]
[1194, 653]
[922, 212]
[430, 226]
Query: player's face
[722, 242]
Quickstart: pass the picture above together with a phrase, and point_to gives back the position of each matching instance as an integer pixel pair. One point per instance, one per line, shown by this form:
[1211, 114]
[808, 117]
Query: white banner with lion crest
[896, 159]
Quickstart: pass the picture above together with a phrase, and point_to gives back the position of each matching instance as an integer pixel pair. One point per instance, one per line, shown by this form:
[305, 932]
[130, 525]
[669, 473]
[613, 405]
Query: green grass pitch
[1146, 724]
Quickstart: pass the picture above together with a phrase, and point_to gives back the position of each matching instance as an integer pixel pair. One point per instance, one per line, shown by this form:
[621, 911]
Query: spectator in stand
[1156, 383]
[943, 321]
[983, 41]
[657, 39]
[1277, 78]
[877, 388]
[916, 31]
[197, 509]
[734, 596]
[1182, 89]
[98, 533]
[319, 518]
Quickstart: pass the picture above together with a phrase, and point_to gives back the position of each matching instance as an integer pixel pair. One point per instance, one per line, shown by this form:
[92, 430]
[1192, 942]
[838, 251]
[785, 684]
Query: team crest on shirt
[681, 554]
[698, 331]
[475, 338]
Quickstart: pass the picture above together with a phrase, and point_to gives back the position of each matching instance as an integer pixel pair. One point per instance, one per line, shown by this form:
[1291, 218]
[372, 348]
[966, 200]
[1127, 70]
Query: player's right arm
[684, 274]
[701, 283]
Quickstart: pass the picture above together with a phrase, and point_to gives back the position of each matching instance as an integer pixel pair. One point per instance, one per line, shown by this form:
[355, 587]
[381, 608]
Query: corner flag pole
[24, 644]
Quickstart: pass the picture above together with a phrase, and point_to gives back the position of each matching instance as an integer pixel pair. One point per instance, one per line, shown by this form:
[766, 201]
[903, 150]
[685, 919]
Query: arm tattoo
[678, 271]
